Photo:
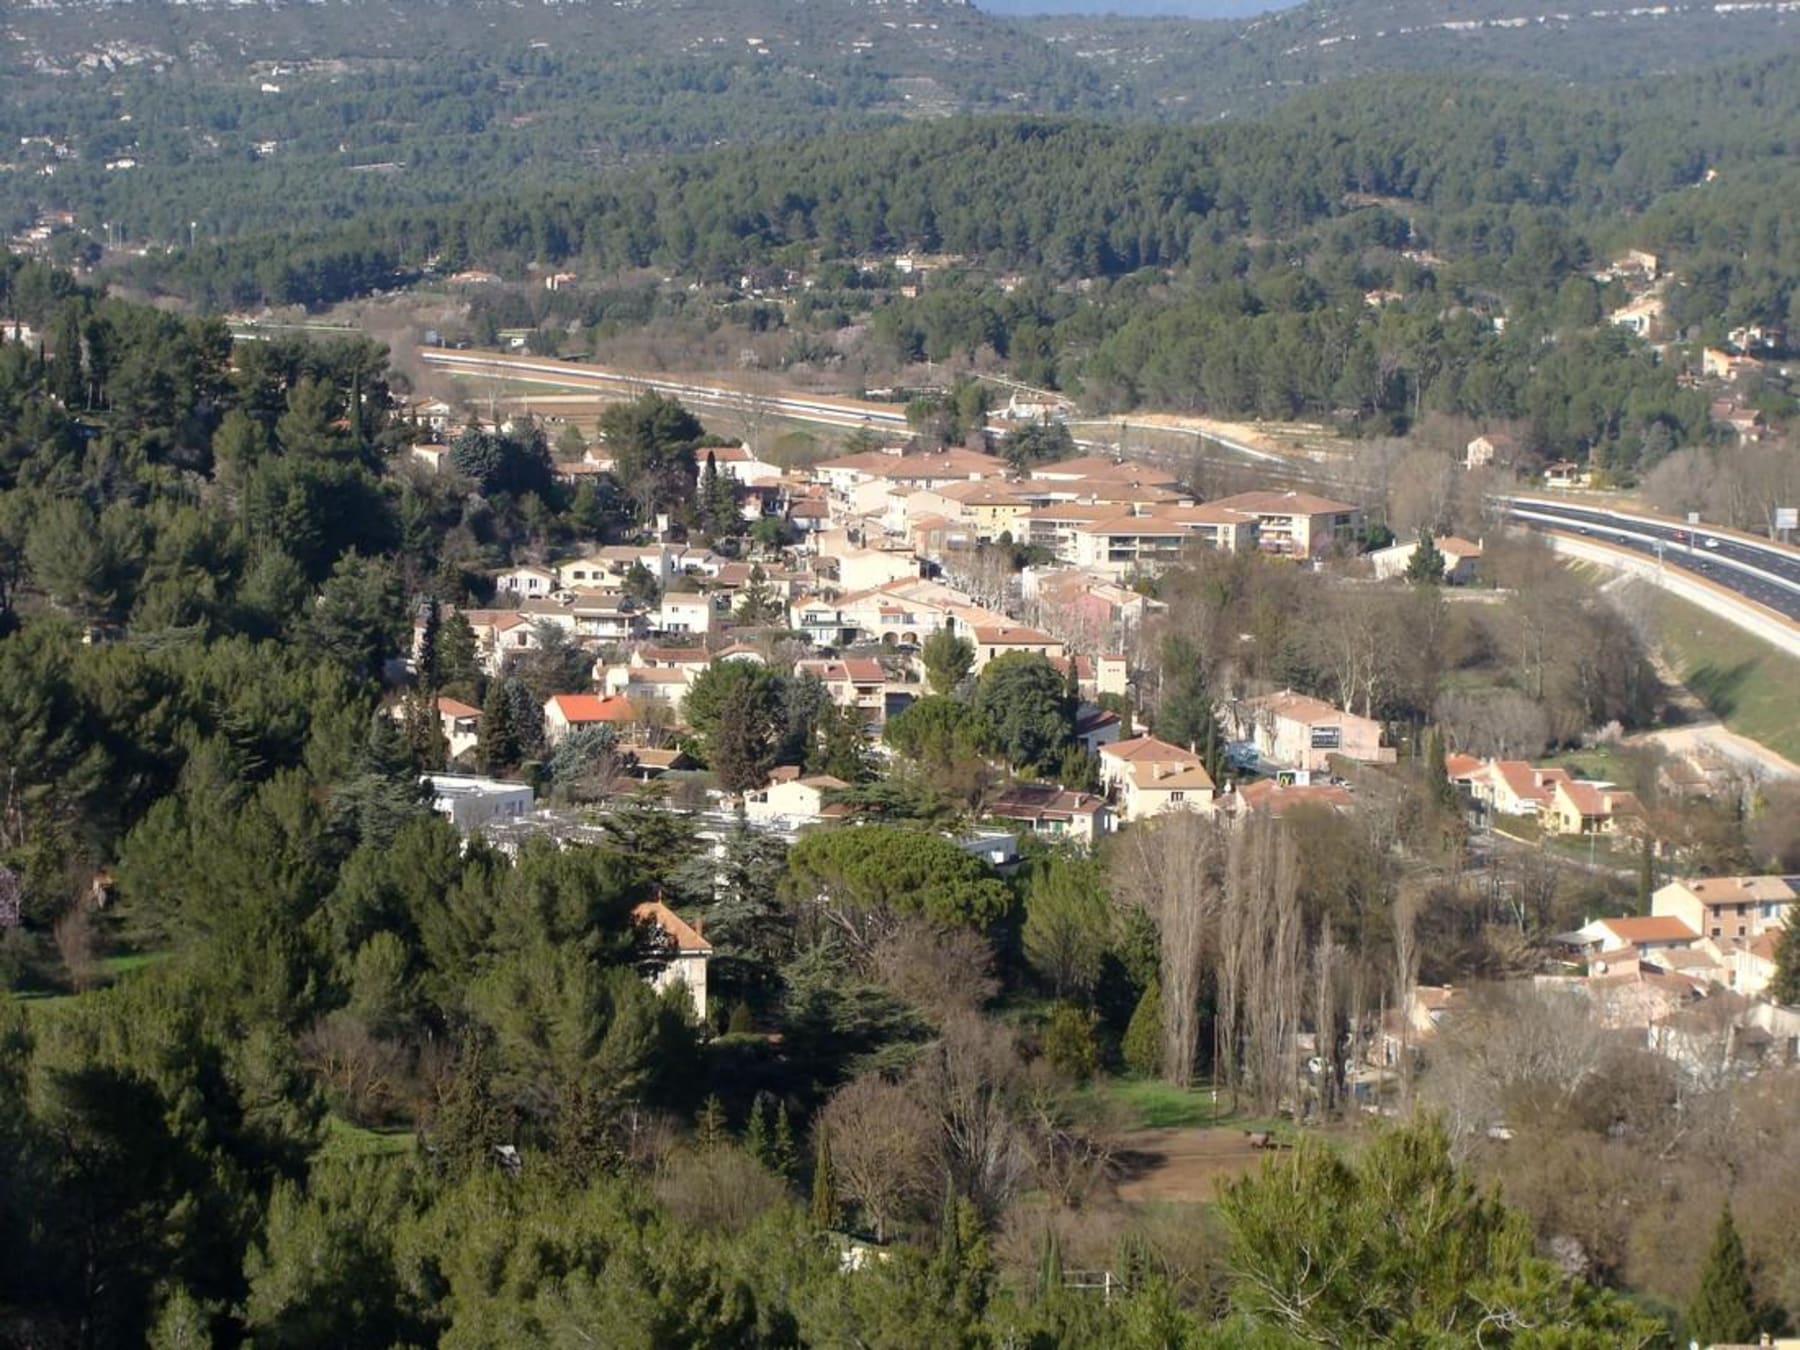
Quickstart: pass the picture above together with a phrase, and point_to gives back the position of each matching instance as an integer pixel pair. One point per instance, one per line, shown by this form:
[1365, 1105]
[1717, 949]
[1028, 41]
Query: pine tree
[458, 668]
[824, 1209]
[1723, 1310]
[1142, 1046]
[1426, 566]
[743, 748]
[468, 1121]
[710, 1126]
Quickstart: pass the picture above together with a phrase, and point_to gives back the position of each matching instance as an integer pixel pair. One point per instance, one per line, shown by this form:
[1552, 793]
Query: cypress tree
[1142, 1046]
[1050, 1268]
[1437, 766]
[1646, 881]
[782, 1150]
[756, 1132]
[499, 745]
[1723, 1309]
[824, 1186]
[428, 663]
[1785, 988]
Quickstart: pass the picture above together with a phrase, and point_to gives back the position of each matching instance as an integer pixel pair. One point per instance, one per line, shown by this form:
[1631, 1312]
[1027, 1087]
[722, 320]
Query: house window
[1178, 796]
[1715, 932]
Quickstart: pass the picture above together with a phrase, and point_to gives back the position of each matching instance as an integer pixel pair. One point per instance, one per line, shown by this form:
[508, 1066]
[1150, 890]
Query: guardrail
[1780, 550]
[1656, 540]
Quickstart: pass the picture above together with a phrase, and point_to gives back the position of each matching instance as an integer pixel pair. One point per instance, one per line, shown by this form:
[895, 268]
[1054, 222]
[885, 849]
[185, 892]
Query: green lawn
[344, 1140]
[1752, 688]
[1150, 1104]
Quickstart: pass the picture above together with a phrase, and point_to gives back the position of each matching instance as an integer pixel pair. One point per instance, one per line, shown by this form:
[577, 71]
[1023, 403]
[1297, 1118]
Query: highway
[820, 409]
[1767, 573]
[579, 376]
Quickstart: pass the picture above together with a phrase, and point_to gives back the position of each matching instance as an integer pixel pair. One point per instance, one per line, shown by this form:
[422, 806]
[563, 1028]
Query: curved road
[1767, 573]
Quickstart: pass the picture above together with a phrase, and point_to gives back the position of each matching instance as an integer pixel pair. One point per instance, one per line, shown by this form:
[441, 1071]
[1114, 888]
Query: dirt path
[1184, 1164]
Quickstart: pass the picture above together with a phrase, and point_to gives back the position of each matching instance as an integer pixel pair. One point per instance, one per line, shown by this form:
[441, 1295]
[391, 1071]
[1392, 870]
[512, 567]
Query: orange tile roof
[449, 707]
[678, 931]
[1650, 928]
[584, 708]
[1282, 503]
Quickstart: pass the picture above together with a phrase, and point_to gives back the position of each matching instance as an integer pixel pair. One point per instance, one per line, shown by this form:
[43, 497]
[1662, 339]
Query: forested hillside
[1225, 269]
[245, 117]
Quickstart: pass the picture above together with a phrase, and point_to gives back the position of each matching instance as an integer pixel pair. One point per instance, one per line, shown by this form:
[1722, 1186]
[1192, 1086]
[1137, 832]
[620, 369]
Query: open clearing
[1184, 1165]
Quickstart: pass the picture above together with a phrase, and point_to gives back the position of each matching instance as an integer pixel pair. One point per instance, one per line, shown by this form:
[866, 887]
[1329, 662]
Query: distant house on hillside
[563, 713]
[674, 954]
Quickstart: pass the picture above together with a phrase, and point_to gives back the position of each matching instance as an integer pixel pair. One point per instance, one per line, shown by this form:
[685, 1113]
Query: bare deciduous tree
[883, 1148]
[1172, 869]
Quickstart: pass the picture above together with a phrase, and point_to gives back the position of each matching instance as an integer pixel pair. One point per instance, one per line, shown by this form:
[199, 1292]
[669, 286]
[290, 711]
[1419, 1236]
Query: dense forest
[1178, 268]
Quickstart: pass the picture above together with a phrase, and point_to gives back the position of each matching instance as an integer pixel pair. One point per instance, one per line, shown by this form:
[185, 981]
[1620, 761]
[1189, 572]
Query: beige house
[638, 685]
[1053, 812]
[858, 683]
[1578, 807]
[1147, 777]
[563, 713]
[1635, 935]
[1728, 908]
[793, 801]
[1130, 542]
[1001, 639]
[683, 614]
[1462, 559]
[460, 723]
[525, 583]
[1297, 524]
[1512, 787]
[676, 954]
[1295, 731]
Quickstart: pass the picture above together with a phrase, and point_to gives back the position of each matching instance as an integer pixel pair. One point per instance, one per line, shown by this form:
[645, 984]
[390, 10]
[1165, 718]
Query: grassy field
[344, 1140]
[1149, 1104]
[1752, 688]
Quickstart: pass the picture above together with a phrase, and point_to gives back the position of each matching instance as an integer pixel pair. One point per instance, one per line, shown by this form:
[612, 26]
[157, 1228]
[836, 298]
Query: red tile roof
[1650, 928]
[449, 707]
[578, 709]
[678, 931]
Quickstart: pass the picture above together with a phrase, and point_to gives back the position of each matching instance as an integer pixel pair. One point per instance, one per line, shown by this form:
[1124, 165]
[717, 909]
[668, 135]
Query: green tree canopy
[867, 875]
[1396, 1246]
[1022, 697]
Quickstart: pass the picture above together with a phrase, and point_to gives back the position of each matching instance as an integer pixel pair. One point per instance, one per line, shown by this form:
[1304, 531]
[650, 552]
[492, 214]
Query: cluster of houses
[1690, 978]
[1559, 802]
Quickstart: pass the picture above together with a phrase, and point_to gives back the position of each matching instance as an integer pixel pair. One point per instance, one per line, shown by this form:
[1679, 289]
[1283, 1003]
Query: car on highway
[1711, 541]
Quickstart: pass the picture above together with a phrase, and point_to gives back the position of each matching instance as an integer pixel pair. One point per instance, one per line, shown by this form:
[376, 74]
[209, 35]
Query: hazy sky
[1200, 9]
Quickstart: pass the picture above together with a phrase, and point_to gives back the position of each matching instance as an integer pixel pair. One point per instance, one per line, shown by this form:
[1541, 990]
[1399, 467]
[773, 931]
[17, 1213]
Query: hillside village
[869, 572]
